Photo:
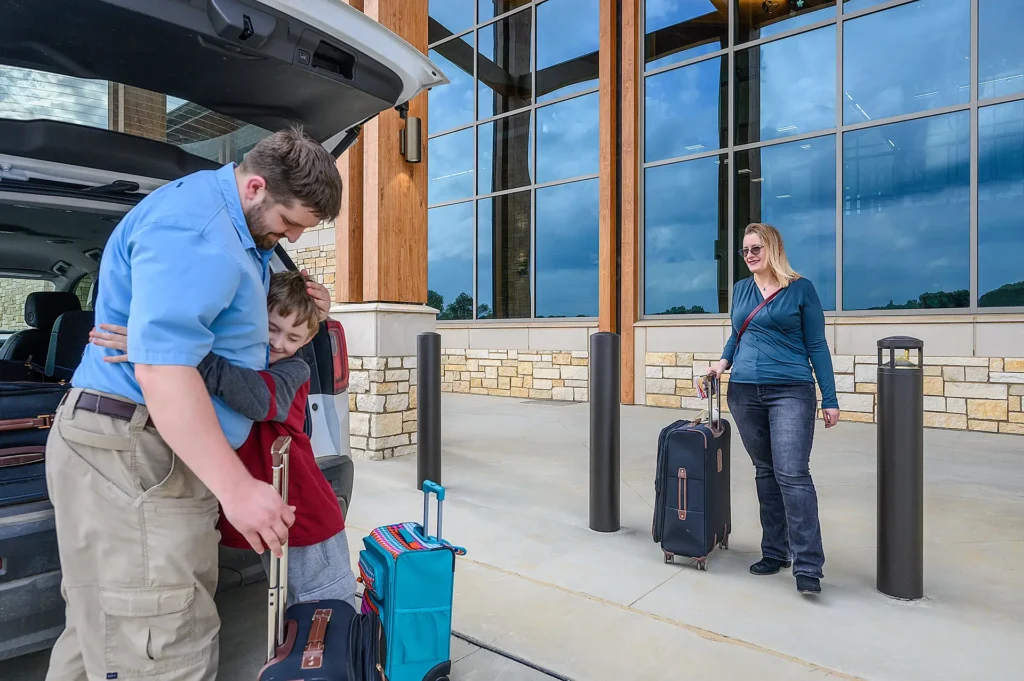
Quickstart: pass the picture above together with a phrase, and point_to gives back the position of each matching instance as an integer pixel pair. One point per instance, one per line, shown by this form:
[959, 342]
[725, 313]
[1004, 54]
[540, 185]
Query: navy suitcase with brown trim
[26, 414]
[693, 507]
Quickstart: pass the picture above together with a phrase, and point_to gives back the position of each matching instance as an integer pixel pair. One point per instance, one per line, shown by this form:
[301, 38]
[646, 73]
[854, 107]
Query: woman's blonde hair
[775, 252]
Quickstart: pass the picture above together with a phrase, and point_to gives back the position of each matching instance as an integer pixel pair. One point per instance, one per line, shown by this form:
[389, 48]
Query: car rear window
[13, 293]
[27, 94]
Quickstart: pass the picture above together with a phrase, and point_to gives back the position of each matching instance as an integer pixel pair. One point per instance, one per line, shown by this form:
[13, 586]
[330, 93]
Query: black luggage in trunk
[693, 507]
[26, 413]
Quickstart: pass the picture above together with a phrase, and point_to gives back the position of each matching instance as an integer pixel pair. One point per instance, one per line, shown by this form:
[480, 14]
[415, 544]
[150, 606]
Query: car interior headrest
[43, 307]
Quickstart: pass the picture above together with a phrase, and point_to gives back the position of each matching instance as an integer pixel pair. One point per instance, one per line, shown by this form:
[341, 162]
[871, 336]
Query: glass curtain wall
[884, 139]
[513, 159]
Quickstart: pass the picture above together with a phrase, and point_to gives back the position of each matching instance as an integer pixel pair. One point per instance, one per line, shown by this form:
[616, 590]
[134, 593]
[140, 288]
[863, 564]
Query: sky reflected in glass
[451, 167]
[455, 16]
[504, 152]
[503, 256]
[451, 105]
[685, 110]
[1001, 205]
[907, 59]
[567, 250]
[677, 30]
[567, 60]
[906, 224]
[567, 141]
[1000, 48]
[450, 260]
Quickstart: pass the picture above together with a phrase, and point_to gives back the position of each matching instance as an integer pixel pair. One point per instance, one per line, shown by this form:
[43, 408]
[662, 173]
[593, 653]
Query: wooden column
[348, 228]
[136, 111]
[608, 204]
[632, 61]
[394, 191]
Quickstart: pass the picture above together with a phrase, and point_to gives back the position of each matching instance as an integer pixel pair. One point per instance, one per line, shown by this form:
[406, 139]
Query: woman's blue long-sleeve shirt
[780, 339]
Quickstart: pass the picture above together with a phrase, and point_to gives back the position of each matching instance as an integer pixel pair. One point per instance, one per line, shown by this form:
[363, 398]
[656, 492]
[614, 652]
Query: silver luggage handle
[277, 592]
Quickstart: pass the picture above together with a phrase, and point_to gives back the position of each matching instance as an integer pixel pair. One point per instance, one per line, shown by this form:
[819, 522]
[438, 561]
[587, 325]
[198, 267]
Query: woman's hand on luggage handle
[718, 368]
[111, 336]
[831, 417]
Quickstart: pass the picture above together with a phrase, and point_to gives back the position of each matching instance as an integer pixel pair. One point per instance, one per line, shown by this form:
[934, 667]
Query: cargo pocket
[420, 636]
[149, 631]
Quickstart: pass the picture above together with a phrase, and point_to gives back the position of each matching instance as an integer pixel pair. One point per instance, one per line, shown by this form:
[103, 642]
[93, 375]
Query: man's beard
[255, 218]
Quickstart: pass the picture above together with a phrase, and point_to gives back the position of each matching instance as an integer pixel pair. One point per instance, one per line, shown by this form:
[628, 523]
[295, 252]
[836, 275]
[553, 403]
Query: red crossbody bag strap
[754, 312]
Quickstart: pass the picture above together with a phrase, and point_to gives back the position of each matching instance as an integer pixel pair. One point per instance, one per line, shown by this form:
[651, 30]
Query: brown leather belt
[98, 404]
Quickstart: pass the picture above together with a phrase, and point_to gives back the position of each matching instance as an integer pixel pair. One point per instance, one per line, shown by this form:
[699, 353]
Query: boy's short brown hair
[297, 168]
[288, 294]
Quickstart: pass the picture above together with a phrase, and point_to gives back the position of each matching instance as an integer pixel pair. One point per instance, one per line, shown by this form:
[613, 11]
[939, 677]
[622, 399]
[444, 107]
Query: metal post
[604, 431]
[428, 408]
[900, 468]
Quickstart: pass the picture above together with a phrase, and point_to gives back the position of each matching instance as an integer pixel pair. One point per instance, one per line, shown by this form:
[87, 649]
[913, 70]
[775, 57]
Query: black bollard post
[900, 469]
[428, 408]
[604, 431]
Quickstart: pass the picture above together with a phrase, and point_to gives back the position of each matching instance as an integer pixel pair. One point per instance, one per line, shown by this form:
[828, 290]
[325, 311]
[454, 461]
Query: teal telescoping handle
[429, 487]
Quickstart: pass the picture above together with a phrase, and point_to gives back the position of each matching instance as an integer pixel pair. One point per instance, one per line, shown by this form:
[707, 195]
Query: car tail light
[339, 355]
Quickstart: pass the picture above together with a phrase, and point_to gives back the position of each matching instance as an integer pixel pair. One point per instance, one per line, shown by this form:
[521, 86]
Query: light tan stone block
[497, 354]
[542, 384]
[572, 373]
[543, 365]
[391, 441]
[932, 371]
[563, 394]
[1013, 364]
[867, 387]
[351, 402]
[708, 356]
[513, 354]
[578, 354]
[935, 404]
[866, 373]
[478, 391]
[1017, 390]
[516, 381]
[473, 364]
[384, 425]
[980, 374]
[509, 363]
[504, 383]
[409, 426]
[491, 383]
[842, 364]
[358, 442]
[1015, 403]
[384, 388]
[547, 373]
[663, 359]
[933, 386]
[951, 421]
[410, 362]
[375, 363]
[577, 384]
[581, 394]
[661, 386]
[527, 381]
[855, 402]
[394, 363]
[409, 415]
[693, 403]
[547, 357]
[525, 368]
[540, 394]
[506, 371]
[373, 404]
[1009, 378]
[579, 361]
[956, 405]
[476, 354]
[654, 372]
[561, 358]
[1012, 428]
[490, 372]
[520, 392]
[557, 383]
[684, 359]
[460, 386]
[679, 373]
[656, 400]
[359, 424]
[984, 426]
[497, 392]
[856, 417]
[355, 363]
[359, 382]
[1016, 417]
[953, 361]
[529, 358]
[685, 389]
[396, 403]
[984, 391]
[376, 376]
[953, 373]
[991, 410]
[845, 383]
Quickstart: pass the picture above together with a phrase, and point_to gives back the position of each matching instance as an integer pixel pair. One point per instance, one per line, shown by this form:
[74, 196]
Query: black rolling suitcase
[26, 414]
[693, 509]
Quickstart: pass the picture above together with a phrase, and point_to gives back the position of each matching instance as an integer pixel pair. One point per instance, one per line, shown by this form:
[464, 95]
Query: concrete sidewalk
[537, 582]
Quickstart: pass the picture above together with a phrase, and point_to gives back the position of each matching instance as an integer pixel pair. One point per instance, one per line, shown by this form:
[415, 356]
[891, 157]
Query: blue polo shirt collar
[229, 187]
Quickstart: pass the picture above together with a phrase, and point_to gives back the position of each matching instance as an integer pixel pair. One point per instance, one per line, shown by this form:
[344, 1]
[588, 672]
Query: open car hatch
[268, 63]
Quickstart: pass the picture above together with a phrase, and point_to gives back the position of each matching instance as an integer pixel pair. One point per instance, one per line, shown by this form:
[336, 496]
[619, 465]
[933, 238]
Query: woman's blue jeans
[776, 426]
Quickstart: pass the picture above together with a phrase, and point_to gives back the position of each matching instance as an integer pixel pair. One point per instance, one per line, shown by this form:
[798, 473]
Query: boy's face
[286, 335]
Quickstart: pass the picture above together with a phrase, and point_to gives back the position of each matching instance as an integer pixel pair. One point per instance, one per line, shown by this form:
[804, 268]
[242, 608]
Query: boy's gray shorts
[319, 571]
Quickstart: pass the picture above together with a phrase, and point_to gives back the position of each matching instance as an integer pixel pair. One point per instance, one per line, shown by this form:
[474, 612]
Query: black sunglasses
[753, 250]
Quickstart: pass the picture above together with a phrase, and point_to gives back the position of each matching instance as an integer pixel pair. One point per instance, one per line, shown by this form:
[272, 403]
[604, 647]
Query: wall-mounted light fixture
[410, 138]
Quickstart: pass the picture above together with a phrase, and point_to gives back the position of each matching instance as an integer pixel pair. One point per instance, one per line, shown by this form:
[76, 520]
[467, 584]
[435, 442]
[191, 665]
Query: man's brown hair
[288, 294]
[297, 168]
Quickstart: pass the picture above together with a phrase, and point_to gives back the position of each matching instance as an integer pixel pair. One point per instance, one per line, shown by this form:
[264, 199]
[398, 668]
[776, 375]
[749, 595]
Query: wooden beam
[632, 60]
[608, 105]
[394, 191]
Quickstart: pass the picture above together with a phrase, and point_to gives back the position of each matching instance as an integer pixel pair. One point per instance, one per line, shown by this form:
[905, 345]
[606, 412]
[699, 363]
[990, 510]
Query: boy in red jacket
[319, 566]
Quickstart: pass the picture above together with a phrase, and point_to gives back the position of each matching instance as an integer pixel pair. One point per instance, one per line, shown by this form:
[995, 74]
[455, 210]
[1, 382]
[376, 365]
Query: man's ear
[254, 186]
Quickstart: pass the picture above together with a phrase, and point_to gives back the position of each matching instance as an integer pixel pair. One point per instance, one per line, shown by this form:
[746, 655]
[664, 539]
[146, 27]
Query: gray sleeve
[246, 391]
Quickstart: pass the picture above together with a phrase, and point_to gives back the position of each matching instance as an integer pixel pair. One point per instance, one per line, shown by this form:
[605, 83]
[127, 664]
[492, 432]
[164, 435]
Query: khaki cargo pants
[136, 530]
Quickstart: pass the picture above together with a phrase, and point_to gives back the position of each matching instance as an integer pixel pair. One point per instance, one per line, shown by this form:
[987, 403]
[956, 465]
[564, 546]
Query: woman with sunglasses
[772, 399]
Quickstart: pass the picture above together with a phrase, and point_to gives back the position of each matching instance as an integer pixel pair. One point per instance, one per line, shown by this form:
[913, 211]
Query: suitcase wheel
[668, 557]
[724, 544]
[702, 564]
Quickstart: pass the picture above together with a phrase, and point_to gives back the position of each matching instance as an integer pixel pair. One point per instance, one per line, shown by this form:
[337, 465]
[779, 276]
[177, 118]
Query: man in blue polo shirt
[139, 454]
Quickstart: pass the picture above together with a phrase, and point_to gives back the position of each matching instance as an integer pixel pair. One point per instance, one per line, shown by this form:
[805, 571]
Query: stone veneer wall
[962, 393]
[517, 373]
[318, 260]
[13, 293]
[382, 406]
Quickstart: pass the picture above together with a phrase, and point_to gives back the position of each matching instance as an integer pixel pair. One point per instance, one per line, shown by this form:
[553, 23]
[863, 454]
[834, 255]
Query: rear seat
[67, 344]
[42, 309]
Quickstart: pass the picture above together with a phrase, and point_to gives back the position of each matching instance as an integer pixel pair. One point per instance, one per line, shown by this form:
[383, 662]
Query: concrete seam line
[699, 631]
[503, 653]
